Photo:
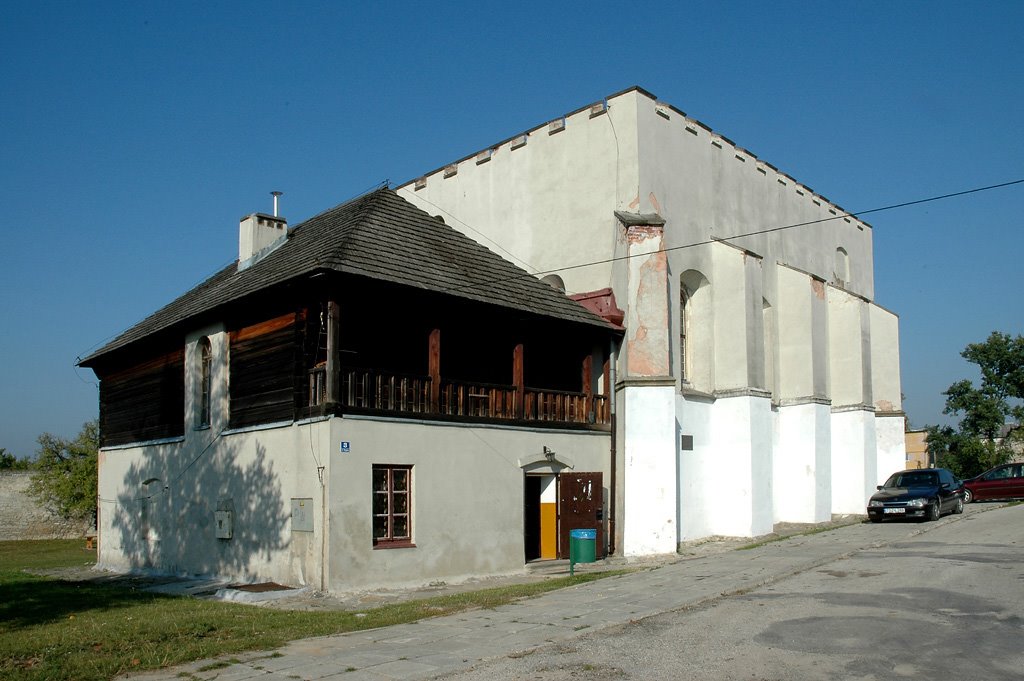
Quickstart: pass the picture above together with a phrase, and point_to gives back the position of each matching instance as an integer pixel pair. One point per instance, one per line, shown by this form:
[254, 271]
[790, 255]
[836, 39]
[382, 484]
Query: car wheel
[959, 508]
[968, 496]
[934, 511]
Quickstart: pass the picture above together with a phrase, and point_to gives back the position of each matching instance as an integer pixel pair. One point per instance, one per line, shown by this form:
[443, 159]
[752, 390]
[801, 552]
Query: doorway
[540, 516]
[554, 504]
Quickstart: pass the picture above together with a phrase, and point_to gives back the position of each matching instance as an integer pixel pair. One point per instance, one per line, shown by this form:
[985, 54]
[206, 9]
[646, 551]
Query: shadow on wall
[220, 512]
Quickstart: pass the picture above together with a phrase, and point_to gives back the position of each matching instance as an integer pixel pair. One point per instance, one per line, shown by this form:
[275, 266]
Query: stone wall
[23, 516]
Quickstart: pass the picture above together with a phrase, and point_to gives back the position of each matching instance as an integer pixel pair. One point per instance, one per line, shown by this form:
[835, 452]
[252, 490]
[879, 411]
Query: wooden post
[434, 368]
[333, 378]
[587, 388]
[606, 392]
[518, 380]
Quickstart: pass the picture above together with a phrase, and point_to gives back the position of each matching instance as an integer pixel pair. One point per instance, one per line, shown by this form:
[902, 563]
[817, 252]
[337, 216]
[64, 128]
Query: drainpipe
[612, 359]
[323, 527]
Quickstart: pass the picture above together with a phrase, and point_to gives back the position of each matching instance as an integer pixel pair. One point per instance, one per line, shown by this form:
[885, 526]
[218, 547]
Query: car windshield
[914, 479]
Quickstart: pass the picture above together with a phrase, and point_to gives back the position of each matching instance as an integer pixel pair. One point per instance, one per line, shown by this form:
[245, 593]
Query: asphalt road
[948, 603]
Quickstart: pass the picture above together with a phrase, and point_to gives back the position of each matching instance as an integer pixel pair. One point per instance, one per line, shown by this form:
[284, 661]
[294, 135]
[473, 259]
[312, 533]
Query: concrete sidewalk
[445, 645]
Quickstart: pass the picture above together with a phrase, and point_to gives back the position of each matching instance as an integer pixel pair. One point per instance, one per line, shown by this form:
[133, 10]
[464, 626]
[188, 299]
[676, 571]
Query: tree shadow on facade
[215, 512]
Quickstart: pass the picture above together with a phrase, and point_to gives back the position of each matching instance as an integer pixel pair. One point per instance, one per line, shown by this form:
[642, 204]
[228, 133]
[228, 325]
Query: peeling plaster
[647, 347]
[818, 288]
[635, 203]
[654, 203]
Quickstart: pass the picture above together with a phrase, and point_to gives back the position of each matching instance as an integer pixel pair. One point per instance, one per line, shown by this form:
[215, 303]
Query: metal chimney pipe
[275, 195]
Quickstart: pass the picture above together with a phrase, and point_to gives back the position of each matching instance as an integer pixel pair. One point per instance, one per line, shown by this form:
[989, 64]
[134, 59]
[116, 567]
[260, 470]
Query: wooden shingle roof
[380, 236]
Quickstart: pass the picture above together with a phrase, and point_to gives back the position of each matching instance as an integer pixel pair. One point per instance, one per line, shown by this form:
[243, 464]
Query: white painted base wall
[649, 498]
[744, 472]
[854, 461]
[802, 464]
[892, 446]
[157, 505]
[726, 481]
[467, 501]
[697, 499]
[467, 497]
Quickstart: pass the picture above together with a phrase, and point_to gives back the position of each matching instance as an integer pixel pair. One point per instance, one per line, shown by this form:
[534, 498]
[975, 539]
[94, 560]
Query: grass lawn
[53, 629]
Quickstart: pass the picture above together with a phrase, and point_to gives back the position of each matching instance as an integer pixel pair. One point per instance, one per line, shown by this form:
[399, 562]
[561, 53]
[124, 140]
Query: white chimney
[258, 234]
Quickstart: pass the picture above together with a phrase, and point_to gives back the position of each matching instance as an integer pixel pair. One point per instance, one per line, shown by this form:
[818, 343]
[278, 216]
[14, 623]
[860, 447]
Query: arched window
[205, 368]
[841, 274]
[768, 321]
[684, 320]
[695, 360]
[555, 282]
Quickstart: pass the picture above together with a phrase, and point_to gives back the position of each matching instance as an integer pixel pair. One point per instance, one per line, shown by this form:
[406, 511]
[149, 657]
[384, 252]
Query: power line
[838, 216]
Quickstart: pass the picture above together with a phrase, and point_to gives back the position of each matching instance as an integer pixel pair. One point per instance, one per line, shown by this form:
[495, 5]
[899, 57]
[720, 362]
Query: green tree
[983, 411]
[65, 473]
[9, 462]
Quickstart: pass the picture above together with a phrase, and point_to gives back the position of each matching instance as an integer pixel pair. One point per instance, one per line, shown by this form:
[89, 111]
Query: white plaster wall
[854, 460]
[547, 204]
[731, 302]
[699, 498]
[892, 447]
[802, 464]
[467, 497]
[705, 186]
[168, 524]
[846, 346]
[796, 334]
[885, 360]
[650, 500]
[741, 431]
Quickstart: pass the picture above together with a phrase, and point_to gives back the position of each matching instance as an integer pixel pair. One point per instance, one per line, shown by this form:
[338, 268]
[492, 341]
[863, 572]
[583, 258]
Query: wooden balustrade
[394, 393]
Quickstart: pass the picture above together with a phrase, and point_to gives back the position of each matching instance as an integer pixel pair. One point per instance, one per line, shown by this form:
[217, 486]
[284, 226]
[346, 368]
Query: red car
[1002, 482]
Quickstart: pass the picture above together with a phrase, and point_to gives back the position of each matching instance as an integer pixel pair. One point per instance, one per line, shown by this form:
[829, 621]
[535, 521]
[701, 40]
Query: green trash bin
[582, 547]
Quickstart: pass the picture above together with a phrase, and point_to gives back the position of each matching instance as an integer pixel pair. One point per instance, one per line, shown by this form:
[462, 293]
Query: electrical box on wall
[302, 515]
[224, 524]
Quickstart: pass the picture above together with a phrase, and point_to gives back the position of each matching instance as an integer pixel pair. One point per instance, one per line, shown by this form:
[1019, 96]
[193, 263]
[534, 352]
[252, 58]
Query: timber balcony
[369, 391]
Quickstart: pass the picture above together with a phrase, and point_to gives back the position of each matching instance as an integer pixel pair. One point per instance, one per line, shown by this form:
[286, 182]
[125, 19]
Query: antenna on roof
[275, 195]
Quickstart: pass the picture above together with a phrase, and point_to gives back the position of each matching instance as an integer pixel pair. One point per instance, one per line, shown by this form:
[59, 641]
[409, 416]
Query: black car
[924, 493]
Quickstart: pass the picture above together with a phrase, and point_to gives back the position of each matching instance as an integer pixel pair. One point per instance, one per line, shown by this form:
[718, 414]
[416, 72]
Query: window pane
[391, 504]
[401, 479]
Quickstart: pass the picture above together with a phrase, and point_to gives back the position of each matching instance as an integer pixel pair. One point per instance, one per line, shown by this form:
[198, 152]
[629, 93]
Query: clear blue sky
[134, 135]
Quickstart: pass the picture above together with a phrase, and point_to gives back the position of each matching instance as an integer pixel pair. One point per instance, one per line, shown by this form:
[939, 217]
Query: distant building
[917, 449]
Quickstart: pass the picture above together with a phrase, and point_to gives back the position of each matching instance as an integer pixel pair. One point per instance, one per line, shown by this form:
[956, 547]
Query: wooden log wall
[144, 402]
[264, 371]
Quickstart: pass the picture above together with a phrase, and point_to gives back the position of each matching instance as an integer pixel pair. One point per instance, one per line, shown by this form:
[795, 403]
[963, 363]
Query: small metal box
[302, 515]
[224, 524]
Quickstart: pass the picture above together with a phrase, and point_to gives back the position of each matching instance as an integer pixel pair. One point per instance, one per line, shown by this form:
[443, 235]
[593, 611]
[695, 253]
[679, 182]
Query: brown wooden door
[580, 507]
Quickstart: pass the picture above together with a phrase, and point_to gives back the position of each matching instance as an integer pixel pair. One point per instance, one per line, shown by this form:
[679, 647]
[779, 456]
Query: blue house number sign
[345, 448]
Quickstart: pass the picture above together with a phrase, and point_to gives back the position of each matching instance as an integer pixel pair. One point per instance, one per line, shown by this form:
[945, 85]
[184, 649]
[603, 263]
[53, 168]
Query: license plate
[895, 510]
